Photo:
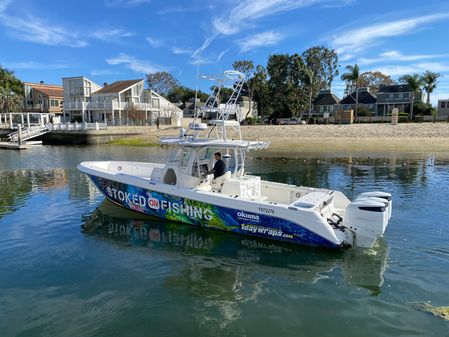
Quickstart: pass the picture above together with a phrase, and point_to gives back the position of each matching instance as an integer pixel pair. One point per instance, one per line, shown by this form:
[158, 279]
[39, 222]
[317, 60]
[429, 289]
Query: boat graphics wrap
[207, 215]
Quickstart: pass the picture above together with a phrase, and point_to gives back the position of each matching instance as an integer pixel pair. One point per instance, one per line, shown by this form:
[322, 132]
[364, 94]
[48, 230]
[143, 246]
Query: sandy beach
[419, 137]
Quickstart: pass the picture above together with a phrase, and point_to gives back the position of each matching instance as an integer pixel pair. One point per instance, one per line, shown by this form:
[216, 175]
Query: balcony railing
[108, 106]
[78, 126]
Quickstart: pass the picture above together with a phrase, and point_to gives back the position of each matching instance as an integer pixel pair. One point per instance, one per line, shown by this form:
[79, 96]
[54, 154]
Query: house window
[443, 105]
[406, 95]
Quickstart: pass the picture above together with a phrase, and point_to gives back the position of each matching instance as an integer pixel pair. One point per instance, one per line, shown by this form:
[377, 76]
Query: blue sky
[108, 40]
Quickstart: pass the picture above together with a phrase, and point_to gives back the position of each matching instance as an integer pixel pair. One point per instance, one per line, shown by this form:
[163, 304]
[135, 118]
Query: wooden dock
[16, 146]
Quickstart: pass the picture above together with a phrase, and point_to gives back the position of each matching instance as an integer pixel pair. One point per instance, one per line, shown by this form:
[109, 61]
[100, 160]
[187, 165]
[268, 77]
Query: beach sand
[417, 137]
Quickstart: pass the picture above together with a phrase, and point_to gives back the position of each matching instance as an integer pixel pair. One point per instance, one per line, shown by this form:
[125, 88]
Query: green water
[75, 265]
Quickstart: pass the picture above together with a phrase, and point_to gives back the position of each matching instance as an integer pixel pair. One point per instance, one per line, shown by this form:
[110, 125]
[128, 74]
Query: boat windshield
[186, 156]
[175, 155]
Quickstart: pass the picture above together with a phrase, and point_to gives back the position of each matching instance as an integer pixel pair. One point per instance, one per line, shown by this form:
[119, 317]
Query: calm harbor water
[73, 264]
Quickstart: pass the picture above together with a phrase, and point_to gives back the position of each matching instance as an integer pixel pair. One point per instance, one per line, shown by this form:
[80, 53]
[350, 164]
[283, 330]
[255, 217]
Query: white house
[77, 94]
[123, 103]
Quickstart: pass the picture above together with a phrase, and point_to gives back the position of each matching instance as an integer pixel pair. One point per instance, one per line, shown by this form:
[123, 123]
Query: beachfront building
[77, 96]
[366, 101]
[245, 110]
[43, 98]
[123, 102]
[189, 107]
[326, 102]
[395, 96]
[443, 107]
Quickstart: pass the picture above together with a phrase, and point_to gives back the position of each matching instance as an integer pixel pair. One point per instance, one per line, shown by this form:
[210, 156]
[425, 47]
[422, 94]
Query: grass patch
[132, 142]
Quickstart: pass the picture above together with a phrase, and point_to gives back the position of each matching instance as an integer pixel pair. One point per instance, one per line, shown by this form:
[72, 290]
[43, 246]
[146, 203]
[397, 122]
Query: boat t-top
[187, 189]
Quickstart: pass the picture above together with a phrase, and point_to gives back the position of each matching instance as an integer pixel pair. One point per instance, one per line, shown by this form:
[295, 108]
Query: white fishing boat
[183, 190]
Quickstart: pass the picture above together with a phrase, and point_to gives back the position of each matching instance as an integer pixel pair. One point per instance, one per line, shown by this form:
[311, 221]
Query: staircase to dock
[28, 133]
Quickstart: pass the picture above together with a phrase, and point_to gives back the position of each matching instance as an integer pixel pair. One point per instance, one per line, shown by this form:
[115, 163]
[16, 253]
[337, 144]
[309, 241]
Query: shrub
[250, 121]
[420, 108]
[363, 111]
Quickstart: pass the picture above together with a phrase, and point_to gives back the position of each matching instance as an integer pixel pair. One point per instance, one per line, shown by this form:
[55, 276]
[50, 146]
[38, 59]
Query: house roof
[52, 91]
[394, 88]
[365, 97]
[117, 87]
[326, 97]
[191, 105]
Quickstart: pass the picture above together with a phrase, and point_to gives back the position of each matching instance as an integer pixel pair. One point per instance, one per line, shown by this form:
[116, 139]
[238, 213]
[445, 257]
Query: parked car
[290, 121]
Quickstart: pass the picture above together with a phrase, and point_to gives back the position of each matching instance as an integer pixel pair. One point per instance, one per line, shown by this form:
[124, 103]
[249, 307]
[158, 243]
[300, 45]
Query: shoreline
[411, 138]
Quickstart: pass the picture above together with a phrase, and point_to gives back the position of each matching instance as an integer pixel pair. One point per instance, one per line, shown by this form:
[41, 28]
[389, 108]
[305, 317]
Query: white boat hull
[297, 223]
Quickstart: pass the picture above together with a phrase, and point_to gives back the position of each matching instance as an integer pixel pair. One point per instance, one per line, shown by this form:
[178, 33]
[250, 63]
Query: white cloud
[342, 3]
[36, 65]
[34, 30]
[178, 51]
[185, 8]
[112, 35]
[136, 65]
[221, 55]
[346, 57]
[394, 55]
[355, 40]
[155, 43]
[204, 46]
[126, 3]
[398, 70]
[264, 39]
[247, 11]
[3, 5]
[211, 59]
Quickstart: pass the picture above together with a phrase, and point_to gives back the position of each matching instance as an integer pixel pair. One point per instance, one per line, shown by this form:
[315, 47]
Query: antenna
[196, 90]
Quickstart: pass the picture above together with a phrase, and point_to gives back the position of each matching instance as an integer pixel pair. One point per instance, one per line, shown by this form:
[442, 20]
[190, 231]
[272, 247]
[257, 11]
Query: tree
[183, 94]
[247, 68]
[308, 81]
[261, 90]
[352, 82]
[161, 82]
[414, 82]
[373, 80]
[225, 94]
[278, 71]
[429, 81]
[296, 76]
[11, 91]
[323, 63]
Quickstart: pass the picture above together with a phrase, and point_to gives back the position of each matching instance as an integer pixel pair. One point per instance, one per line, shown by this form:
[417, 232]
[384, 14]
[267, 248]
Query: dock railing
[78, 126]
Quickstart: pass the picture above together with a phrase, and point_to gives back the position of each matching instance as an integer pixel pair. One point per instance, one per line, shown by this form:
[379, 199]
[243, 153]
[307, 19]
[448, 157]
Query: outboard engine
[367, 216]
[378, 194]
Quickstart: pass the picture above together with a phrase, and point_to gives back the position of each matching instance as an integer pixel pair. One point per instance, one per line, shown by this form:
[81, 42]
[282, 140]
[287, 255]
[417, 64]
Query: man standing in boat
[219, 167]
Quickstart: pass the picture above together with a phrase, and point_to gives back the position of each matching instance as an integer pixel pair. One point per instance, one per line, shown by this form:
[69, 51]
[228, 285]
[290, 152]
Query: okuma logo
[247, 216]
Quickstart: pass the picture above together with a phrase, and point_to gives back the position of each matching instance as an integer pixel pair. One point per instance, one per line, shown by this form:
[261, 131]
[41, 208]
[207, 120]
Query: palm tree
[11, 91]
[352, 79]
[429, 80]
[414, 82]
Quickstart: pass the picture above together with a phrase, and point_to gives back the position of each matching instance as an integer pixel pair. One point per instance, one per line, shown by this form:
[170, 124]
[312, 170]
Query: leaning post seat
[218, 182]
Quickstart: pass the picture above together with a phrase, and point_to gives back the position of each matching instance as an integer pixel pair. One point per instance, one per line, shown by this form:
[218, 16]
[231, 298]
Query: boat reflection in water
[359, 267]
